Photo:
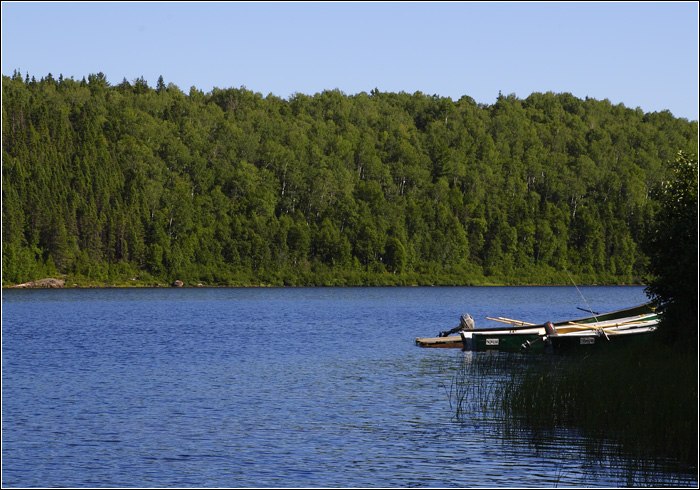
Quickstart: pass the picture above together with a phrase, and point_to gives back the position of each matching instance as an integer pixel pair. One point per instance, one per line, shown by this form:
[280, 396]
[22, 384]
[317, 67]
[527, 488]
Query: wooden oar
[639, 319]
[592, 327]
[516, 321]
[628, 324]
[571, 328]
[512, 322]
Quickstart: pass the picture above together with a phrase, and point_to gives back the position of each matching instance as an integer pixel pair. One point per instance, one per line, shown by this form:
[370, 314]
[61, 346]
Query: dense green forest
[133, 184]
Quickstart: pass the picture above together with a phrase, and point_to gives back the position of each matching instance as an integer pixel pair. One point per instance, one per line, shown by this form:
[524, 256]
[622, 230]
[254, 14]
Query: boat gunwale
[593, 320]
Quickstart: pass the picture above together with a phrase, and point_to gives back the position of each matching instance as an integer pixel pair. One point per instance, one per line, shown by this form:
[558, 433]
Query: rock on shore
[49, 282]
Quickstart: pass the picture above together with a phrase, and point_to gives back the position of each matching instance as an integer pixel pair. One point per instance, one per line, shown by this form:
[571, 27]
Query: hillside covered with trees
[133, 184]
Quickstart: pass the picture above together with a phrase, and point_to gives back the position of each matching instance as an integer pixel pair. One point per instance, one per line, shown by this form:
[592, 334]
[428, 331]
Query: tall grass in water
[475, 392]
[646, 399]
[634, 411]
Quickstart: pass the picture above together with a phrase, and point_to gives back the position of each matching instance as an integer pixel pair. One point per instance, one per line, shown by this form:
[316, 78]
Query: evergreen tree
[160, 85]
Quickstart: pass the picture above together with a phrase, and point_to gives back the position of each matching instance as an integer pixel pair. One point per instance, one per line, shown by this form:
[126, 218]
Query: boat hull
[498, 340]
[598, 342]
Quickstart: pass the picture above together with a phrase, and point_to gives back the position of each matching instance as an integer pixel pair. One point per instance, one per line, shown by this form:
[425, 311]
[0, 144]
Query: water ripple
[313, 387]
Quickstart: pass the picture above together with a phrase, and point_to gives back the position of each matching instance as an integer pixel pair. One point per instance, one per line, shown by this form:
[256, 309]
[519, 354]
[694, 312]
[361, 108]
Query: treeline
[108, 183]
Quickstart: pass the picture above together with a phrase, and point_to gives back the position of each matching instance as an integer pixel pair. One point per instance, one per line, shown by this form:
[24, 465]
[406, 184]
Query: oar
[592, 327]
[512, 322]
[636, 319]
[515, 321]
[630, 324]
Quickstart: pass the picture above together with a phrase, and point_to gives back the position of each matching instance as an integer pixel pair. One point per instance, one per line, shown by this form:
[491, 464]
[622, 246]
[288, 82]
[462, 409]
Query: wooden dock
[451, 341]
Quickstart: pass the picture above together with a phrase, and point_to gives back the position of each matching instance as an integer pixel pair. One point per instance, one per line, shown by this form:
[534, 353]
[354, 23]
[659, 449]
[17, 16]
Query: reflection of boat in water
[615, 328]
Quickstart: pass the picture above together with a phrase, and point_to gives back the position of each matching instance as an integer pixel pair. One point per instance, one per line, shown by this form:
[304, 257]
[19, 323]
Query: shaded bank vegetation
[672, 245]
[106, 183]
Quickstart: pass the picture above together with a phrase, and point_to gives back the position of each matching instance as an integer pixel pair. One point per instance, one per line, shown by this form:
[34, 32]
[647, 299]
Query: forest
[131, 184]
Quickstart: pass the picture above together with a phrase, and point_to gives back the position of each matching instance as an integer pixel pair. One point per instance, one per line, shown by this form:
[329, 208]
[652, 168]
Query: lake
[272, 387]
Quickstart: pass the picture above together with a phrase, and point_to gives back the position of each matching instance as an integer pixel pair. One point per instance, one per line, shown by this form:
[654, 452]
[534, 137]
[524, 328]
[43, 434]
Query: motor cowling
[466, 322]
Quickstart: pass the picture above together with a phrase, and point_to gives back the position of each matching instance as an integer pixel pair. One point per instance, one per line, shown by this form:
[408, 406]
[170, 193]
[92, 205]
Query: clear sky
[640, 54]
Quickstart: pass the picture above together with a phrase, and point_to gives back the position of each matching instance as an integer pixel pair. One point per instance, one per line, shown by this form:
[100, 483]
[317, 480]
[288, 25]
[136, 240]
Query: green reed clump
[646, 400]
[475, 390]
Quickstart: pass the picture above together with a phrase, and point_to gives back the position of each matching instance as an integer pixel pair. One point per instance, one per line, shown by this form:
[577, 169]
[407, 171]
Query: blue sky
[640, 54]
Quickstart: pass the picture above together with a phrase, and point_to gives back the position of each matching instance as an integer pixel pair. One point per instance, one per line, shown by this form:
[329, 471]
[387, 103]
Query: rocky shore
[53, 283]
[49, 282]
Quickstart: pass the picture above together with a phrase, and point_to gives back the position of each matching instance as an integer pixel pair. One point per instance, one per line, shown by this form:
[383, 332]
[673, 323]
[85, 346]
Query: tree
[140, 85]
[160, 85]
[396, 256]
[672, 246]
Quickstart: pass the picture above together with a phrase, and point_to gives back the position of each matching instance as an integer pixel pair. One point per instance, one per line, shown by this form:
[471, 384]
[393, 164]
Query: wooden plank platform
[451, 341]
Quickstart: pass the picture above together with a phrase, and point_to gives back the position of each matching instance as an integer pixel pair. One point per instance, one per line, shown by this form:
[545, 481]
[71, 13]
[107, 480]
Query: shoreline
[47, 284]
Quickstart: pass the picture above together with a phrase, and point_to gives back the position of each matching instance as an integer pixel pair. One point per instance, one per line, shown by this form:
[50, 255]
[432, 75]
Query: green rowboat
[624, 326]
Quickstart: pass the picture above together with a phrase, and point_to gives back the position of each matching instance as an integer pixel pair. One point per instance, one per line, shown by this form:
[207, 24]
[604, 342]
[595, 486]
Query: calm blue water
[312, 387]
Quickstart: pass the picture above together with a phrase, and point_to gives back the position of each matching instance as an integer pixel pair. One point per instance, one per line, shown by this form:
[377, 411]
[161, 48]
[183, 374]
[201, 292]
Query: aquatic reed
[636, 410]
[476, 387]
[646, 400]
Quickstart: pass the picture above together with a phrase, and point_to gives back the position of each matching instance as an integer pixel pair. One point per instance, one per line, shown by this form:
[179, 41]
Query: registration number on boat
[587, 340]
[492, 341]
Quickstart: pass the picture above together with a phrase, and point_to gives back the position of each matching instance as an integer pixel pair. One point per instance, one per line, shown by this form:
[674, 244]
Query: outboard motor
[466, 322]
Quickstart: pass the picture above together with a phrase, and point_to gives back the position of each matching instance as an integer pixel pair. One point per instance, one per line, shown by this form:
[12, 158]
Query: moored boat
[519, 336]
[598, 336]
[584, 343]
[454, 338]
[514, 339]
